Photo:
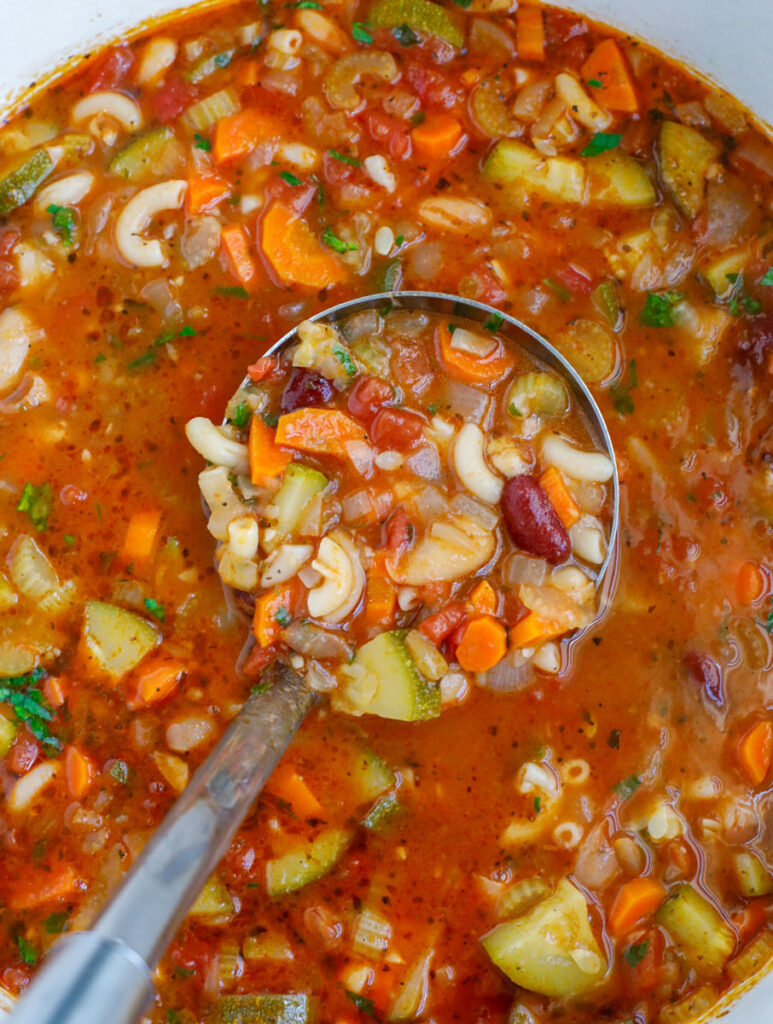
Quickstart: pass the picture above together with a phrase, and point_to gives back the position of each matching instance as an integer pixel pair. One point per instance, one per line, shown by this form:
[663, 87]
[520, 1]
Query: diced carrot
[635, 900]
[530, 33]
[381, 599]
[262, 367]
[293, 251]
[470, 77]
[749, 583]
[607, 66]
[755, 750]
[467, 367]
[238, 134]
[80, 772]
[158, 680]
[55, 691]
[248, 73]
[140, 542]
[483, 644]
[288, 785]
[439, 625]
[437, 136]
[38, 886]
[282, 599]
[236, 246]
[484, 598]
[204, 193]
[532, 630]
[321, 431]
[267, 460]
[566, 508]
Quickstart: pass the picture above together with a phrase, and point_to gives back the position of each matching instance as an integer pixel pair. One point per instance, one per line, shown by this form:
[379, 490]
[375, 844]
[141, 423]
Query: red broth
[628, 222]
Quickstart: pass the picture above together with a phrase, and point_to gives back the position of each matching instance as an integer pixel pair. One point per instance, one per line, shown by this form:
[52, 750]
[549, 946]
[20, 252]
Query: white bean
[454, 214]
[122, 109]
[16, 335]
[593, 466]
[304, 157]
[548, 658]
[581, 106]
[211, 443]
[243, 537]
[159, 54]
[137, 215]
[588, 541]
[377, 170]
[383, 241]
[470, 465]
[67, 191]
[188, 733]
[30, 786]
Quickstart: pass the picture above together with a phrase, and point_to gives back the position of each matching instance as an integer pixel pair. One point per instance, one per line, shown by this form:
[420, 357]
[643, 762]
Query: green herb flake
[334, 242]
[343, 158]
[241, 415]
[305, 5]
[658, 309]
[432, 408]
[363, 1004]
[37, 502]
[155, 608]
[56, 923]
[627, 787]
[594, 83]
[63, 221]
[119, 770]
[69, 540]
[222, 60]
[452, 328]
[405, 35]
[232, 291]
[558, 289]
[283, 617]
[537, 804]
[463, 3]
[270, 419]
[100, 357]
[174, 1017]
[636, 953]
[360, 33]
[399, 241]
[27, 951]
[202, 143]
[602, 142]
[261, 688]
[290, 178]
[514, 411]
[493, 324]
[187, 332]
[767, 278]
[419, 117]
[29, 705]
[621, 393]
[345, 360]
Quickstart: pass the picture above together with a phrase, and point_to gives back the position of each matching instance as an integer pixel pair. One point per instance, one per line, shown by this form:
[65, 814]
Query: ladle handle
[104, 975]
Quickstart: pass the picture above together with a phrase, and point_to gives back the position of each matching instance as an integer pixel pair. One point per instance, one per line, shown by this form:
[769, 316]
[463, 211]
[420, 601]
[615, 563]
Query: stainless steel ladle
[105, 975]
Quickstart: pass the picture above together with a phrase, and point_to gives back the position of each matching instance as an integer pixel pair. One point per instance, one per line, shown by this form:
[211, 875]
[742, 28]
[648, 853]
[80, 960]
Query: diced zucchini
[371, 775]
[202, 115]
[306, 862]
[689, 1007]
[420, 15]
[265, 1008]
[383, 680]
[146, 156]
[721, 273]
[114, 640]
[606, 301]
[551, 949]
[542, 394]
[559, 177]
[685, 156]
[754, 879]
[74, 145]
[267, 946]
[20, 183]
[388, 276]
[756, 955]
[617, 179]
[382, 813]
[208, 65]
[697, 929]
[8, 596]
[214, 900]
[7, 734]
[299, 486]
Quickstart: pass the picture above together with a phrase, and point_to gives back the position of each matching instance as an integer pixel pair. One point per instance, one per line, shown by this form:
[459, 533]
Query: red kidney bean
[396, 428]
[707, 674]
[532, 521]
[368, 396]
[305, 388]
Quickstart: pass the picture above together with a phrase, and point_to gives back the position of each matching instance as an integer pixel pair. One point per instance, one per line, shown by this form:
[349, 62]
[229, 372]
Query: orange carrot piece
[39, 886]
[55, 691]
[465, 366]
[566, 508]
[470, 77]
[265, 626]
[381, 595]
[293, 251]
[484, 598]
[262, 367]
[635, 900]
[755, 750]
[80, 771]
[749, 583]
[238, 134]
[530, 32]
[751, 918]
[140, 541]
[267, 460]
[483, 644]
[438, 136]
[608, 66]
[320, 431]
[532, 630]
[288, 785]
[158, 680]
[204, 193]
[236, 246]
[248, 73]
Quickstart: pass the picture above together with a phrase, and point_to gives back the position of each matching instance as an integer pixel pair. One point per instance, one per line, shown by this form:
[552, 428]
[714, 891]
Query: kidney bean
[756, 341]
[368, 396]
[532, 521]
[396, 428]
[305, 388]
[704, 671]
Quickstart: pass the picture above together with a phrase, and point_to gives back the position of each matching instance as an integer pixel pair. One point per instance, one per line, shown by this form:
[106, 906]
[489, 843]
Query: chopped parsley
[360, 33]
[767, 625]
[399, 241]
[119, 770]
[174, 1017]
[621, 393]
[155, 608]
[100, 357]
[658, 309]
[200, 142]
[187, 332]
[405, 35]
[419, 117]
[767, 278]
[563, 293]
[282, 616]
[334, 242]
[290, 178]
[149, 356]
[739, 297]
[261, 688]
[363, 1004]
[305, 5]
[432, 408]
[627, 787]
[537, 804]
[602, 142]
[350, 160]
[514, 410]
[37, 502]
[594, 83]
[463, 3]
[232, 291]
[493, 324]
[30, 706]
[27, 951]
[241, 415]
[56, 923]
[270, 419]
[63, 221]
[636, 953]
[345, 360]
[452, 328]
[69, 540]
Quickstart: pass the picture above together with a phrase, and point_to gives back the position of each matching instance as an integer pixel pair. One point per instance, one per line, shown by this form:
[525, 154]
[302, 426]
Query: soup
[593, 843]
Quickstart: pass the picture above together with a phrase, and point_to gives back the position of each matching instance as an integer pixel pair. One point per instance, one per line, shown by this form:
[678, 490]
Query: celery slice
[21, 183]
[299, 485]
[420, 15]
[203, 114]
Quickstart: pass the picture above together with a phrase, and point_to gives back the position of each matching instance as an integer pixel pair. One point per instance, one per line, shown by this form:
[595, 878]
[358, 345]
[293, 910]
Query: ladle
[105, 975]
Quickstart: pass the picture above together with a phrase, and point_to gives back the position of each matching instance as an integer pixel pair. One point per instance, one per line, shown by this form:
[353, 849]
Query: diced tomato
[111, 71]
[433, 87]
[490, 290]
[440, 625]
[259, 658]
[23, 754]
[574, 280]
[369, 395]
[389, 131]
[400, 531]
[296, 197]
[396, 428]
[647, 974]
[192, 952]
[172, 98]
[752, 917]
[8, 276]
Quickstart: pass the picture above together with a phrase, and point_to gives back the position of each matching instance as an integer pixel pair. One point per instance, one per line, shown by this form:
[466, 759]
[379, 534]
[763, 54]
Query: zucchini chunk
[721, 273]
[383, 680]
[754, 879]
[421, 15]
[151, 154]
[551, 949]
[299, 485]
[685, 156]
[20, 183]
[214, 900]
[617, 179]
[697, 929]
[265, 1008]
[560, 177]
[114, 640]
[372, 775]
[382, 813]
[306, 862]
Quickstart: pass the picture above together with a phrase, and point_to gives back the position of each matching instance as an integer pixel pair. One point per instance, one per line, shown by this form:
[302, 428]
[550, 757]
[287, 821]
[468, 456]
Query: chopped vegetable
[383, 680]
[37, 502]
[530, 32]
[685, 157]
[114, 641]
[635, 900]
[467, 367]
[483, 644]
[237, 135]
[697, 929]
[267, 460]
[236, 247]
[293, 251]
[607, 71]
[318, 431]
[265, 1008]
[438, 136]
[755, 751]
[601, 143]
[18, 185]
[305, 862]
[420, 15]
[658, 309]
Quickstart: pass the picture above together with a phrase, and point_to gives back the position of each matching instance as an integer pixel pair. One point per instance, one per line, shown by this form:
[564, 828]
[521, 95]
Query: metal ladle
[104, 975]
